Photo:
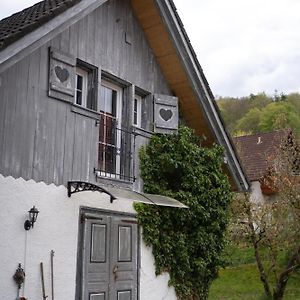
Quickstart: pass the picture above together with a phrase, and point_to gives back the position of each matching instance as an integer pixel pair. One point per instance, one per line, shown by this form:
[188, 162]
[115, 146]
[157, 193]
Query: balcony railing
[115, 150]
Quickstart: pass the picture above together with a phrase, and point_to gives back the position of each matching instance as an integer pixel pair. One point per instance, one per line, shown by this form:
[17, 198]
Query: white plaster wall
[152, 287]
[56, 229]
[256, 193]
[258, 197]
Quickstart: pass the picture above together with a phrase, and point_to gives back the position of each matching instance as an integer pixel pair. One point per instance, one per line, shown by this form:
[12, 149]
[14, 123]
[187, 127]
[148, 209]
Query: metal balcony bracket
[81, 186]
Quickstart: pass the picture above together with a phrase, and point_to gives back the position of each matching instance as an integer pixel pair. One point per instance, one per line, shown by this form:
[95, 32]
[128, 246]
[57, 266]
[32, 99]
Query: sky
[243, 46]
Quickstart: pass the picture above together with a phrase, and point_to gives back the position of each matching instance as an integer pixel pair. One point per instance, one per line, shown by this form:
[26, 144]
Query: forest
[261, 113]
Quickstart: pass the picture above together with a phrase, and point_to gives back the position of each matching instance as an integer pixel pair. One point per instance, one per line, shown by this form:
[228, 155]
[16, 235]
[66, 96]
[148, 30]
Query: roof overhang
[174, 53]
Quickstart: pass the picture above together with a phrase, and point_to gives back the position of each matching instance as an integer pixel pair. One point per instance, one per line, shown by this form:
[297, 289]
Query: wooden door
[110, 258]
[123, 275]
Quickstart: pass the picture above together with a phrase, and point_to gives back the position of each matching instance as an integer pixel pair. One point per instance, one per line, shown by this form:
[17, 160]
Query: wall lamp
[33, 213]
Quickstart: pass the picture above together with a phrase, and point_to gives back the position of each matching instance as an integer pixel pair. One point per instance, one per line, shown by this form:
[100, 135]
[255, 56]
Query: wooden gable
[159, 39]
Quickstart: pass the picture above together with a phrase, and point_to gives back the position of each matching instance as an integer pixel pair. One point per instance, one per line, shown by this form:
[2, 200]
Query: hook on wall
[19, 276]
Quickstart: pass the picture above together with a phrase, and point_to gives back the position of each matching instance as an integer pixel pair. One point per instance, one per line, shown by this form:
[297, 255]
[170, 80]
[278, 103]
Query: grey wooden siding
[40, 137]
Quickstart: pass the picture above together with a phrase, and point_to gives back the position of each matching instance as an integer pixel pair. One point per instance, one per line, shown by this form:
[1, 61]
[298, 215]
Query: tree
[232, 109]
[259, 100]
[187, 243]
[261, 113]
[250, 122]
[273, 228]
[279, 97]
[279, 115]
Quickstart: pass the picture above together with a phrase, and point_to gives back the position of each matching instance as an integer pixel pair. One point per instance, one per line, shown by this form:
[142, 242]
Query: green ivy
[187, 243]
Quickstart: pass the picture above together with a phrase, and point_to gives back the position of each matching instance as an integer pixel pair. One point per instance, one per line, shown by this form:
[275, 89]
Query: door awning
[119, 193]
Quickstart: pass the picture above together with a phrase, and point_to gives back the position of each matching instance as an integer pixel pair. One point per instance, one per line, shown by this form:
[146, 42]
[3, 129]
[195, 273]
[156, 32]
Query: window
[137, 111]
[81, 87]
[110, 130]
[86, 85]
[116, 143]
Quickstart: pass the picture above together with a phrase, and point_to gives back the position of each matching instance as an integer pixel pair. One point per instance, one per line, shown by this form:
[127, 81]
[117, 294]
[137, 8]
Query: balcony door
[110, 258]
[110, 129]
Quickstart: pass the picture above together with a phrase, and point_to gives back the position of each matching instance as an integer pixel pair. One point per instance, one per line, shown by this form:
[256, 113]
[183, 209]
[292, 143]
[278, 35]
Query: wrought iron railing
[115, 149]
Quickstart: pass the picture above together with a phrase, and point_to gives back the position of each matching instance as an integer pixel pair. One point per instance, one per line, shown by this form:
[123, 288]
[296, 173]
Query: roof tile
[256, 150]
[21, 23]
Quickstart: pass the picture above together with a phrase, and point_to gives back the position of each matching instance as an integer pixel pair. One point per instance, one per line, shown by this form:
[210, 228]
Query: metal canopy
[119, 194]
[81, 186]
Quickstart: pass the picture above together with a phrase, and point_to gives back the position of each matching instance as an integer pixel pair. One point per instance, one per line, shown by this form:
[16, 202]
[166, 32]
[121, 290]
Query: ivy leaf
[187, 243]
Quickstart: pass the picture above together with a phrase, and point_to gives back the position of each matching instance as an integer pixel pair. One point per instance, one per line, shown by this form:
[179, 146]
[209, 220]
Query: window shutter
[92, 89]
[165, 113]
[61, 75]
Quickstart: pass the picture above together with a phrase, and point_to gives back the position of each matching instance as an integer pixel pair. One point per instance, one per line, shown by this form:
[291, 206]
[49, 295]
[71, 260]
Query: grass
[236, 283]
[237, 255]
[240, 279]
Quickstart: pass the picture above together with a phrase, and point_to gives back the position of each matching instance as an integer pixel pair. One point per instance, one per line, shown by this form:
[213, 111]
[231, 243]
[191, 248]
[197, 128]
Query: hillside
[261, 113]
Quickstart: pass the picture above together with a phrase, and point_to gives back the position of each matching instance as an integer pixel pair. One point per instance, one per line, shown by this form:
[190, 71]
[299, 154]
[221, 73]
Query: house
[258, 153]
[83, 84]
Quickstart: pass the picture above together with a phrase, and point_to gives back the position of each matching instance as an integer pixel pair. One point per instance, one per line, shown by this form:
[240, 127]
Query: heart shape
[166, 114]
[62, 74]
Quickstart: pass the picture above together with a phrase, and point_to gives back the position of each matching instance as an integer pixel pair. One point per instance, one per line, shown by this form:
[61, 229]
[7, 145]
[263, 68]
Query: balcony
[116, 147]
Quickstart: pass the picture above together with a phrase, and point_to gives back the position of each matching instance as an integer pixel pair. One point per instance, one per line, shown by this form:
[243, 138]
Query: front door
[109, 258]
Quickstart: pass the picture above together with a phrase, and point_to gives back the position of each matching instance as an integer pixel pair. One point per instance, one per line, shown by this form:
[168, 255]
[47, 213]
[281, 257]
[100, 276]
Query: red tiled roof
[21, 23]
[256, 150]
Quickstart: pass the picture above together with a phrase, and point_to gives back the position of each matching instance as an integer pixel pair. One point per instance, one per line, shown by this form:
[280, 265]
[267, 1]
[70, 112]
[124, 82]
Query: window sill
[142, 132]
[85, 111]
[114, 181]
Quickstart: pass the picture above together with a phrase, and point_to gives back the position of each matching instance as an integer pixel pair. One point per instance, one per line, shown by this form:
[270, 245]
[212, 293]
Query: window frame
[137, 99]
[89, 73]
[119, 90]
[84, 91]
[119, 98]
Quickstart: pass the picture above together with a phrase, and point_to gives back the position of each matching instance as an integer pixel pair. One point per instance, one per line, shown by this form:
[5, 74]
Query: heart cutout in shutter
[62, 74]
[166, 114]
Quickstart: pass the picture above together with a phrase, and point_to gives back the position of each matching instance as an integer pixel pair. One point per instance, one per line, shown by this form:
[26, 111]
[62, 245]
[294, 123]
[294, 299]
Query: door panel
[110, 258]
[96, 263]
[98, 247]
[124, 295]
[100, 296]
[124, 259]
[124, 241]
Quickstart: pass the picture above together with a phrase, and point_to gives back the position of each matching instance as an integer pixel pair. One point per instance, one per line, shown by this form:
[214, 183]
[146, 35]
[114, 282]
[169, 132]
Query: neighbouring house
[83, 84]
[258, 153]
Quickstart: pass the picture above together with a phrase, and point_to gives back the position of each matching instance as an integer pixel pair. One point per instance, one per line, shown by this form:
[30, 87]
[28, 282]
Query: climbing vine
[187, 243]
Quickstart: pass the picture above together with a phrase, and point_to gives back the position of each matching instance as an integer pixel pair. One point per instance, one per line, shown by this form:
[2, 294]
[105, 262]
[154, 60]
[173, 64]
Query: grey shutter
[165, 113]
[126, 138]
[96, 259]
[61, 75]
[92, 89]
[123, 275]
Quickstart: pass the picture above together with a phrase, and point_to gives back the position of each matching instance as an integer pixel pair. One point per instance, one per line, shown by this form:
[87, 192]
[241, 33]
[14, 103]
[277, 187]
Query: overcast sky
[243, 46]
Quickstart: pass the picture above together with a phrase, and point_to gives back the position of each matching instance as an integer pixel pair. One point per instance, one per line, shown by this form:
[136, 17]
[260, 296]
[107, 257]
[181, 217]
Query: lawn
[240, 280]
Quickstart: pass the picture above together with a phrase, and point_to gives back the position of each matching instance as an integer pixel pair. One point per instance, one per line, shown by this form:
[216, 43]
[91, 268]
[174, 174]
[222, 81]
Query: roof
[191, 48]
[258, 149]
[19, 24]
[22, 33]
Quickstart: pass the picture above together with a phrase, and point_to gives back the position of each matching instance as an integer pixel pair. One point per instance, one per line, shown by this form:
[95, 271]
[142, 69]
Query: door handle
[115, 270]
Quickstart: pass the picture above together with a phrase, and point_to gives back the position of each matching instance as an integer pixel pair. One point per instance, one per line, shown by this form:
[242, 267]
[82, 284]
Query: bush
[187, 243]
